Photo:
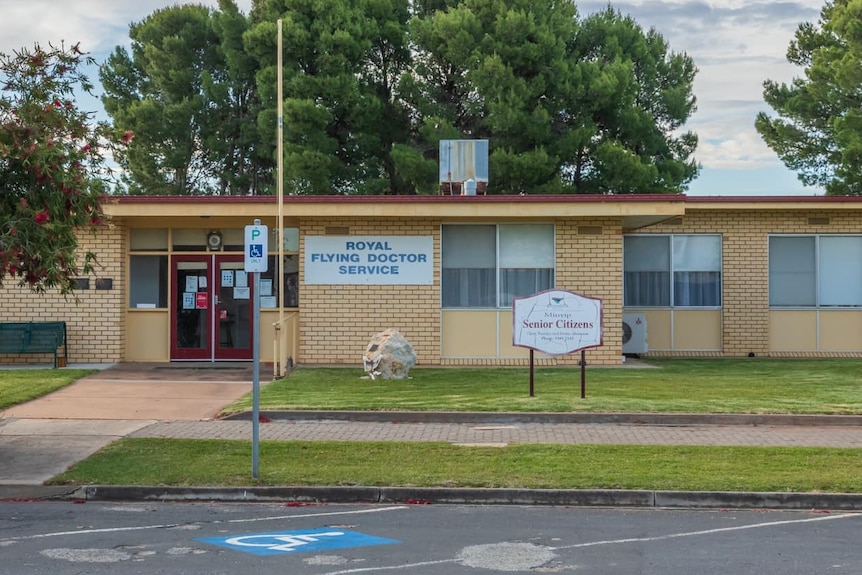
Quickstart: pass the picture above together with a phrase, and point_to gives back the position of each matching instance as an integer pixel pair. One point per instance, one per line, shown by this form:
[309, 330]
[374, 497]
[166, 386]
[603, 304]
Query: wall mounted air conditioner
[634, 333]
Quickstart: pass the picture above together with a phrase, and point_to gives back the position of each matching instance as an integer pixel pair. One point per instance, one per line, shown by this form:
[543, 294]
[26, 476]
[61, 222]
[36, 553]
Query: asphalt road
[66, 538]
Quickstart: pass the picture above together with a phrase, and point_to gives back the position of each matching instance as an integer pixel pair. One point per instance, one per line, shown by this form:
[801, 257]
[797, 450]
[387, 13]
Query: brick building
[721, 276]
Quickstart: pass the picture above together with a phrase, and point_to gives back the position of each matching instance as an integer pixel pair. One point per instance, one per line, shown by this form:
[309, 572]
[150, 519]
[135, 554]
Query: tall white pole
[280, 188]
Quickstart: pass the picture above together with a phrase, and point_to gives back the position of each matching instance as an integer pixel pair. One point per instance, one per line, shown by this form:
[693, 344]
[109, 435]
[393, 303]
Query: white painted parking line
[458, 559]
[216, 522]
[709, 531]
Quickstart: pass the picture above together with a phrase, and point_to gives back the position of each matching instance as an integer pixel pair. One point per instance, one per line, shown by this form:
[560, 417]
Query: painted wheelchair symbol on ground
[286, 542]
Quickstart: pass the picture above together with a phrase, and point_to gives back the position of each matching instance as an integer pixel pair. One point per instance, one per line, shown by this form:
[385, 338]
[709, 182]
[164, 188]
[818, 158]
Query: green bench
[34, 337]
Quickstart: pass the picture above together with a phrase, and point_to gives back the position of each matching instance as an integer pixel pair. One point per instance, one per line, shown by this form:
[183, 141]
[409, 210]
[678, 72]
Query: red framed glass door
[211, 312]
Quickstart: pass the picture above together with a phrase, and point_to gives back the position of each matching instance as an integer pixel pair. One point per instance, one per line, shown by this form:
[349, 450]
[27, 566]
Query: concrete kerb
[484, 417]
[459, 496]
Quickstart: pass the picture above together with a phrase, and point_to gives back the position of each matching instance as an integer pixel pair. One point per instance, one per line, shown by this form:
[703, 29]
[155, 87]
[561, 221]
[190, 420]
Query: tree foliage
[569, 104]
[51, 167]
[188, 91]
[818, 128]
[592, 105]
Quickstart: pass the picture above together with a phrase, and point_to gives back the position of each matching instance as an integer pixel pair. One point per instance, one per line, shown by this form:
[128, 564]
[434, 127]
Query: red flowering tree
[52, 170]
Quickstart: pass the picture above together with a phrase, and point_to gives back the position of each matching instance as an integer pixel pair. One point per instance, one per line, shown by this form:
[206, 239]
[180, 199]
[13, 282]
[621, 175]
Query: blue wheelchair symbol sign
[255, 251]
[288, 542]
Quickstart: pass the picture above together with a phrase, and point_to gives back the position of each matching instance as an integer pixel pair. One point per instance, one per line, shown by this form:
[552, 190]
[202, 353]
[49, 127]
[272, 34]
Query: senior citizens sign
[557, 322]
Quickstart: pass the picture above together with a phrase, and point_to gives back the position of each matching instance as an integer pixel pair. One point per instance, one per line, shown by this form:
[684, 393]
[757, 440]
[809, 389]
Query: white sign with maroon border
[557, 322]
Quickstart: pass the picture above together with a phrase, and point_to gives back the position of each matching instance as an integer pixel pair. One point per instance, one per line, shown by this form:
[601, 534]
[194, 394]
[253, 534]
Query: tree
[818, 131]
[51, 167]
[569, 105]
[371, 87]
[342, 115]
[638, 96]
[188, 92]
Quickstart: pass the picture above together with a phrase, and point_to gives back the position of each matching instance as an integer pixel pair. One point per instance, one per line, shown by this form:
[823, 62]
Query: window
[815, 271]
[291, 278]
[486, 266]
[672, 271]
[148, 281]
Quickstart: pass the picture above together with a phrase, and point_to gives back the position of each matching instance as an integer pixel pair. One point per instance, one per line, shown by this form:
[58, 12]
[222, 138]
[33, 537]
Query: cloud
[736, 45]
[99, 25]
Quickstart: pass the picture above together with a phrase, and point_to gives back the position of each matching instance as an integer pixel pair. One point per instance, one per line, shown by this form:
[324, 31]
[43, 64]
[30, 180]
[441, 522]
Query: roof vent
[818, 221]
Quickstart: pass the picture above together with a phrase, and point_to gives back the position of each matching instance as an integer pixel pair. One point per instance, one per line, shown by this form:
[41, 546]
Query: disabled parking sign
[256, 248]
[290, 542]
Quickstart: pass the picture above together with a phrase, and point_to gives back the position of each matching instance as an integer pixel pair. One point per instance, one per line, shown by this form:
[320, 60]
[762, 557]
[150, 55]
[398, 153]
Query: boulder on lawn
[389, 356]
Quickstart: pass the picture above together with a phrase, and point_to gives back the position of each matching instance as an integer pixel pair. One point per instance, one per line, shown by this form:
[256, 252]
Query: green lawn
[831, 386]
[826, 386]
[20, 385]
[210, 462]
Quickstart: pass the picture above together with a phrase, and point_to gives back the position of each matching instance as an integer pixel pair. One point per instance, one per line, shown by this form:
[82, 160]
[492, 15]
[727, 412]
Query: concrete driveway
[43, 437]
[142, 391]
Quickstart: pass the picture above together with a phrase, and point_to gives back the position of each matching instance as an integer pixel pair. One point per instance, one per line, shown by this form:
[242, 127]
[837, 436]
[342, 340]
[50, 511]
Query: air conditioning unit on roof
[634, 333]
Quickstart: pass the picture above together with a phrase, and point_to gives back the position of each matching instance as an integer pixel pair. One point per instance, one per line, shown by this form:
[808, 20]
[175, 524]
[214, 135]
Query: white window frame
[673, 269]
[498, 269]
[822, 288]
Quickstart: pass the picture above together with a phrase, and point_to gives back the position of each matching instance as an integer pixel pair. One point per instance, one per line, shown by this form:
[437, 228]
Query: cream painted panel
[698, 330]
[793, 330]
[147, 335]
[841, 330]
[469, 334]
[267, 334]
[506, 348]
[658, 327]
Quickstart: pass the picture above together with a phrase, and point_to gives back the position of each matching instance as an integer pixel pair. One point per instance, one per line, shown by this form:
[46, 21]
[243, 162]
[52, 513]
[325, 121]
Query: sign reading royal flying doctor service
[369, 260]
[557, 322]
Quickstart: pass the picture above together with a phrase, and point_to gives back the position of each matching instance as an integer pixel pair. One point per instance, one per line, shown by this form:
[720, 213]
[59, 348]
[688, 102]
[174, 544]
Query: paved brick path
[466, 433]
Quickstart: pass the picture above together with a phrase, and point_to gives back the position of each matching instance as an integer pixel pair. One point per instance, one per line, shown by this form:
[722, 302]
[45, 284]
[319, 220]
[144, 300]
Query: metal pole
[282, 333]
[255, 412]
[531, 374]
[583, 374]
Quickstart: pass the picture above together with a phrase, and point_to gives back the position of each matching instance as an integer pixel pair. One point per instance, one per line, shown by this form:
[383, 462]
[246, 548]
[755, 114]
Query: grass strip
[20, 385]
[196, 462]
[798, 386]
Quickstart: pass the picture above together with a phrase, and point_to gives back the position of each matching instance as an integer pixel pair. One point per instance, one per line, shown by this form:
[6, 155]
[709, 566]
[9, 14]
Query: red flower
[127, 136]
[86, 148]
[42, 218]
[58, 103]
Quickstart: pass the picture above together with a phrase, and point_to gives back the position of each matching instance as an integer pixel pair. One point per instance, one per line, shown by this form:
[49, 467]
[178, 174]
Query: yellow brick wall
[94, 321]
[745, 268]
[338, 321]
[592, 264]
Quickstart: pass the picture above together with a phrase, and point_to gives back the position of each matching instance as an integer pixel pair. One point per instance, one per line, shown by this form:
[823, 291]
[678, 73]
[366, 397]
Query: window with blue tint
[486, 266]
[815, 271]
[681, 270]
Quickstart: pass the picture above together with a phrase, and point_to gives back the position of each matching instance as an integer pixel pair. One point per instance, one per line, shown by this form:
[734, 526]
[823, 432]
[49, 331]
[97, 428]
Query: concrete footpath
[42, 438]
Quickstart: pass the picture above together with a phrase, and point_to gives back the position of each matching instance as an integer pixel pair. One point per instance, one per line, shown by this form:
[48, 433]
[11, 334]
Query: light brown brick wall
[592, 264]
[745, 269]
[337, 321]
[94, 322]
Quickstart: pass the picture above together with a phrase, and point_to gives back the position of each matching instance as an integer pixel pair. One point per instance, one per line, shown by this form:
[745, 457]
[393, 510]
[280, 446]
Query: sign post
[256, 251]
[557, 322]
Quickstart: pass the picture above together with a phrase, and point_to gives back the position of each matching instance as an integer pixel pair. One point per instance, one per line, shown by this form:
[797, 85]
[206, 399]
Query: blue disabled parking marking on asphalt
[286, 542]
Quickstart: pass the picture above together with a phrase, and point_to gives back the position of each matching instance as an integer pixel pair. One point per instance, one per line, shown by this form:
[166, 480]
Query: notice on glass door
[189, 300]
[227, 278]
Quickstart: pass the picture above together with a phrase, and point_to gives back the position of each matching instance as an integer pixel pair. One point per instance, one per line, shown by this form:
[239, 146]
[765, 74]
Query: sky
[735, 44]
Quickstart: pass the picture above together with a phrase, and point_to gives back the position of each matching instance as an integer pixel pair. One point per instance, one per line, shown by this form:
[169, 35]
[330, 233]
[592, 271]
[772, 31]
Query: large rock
[388, 356]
